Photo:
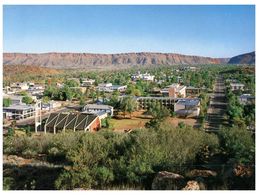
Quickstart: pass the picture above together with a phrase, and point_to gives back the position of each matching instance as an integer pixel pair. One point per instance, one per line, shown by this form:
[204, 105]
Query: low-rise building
[237, 86]
[175, 90]
[145, 77]
[174, 104]
[17, 112]
[19, 86]
[109, 87]
[246, 99]
[96, 108]
[50, 105]
[60, 122]
[87, 82]
[106, 87]
[120, 88]
[187, 107]
[15, 99]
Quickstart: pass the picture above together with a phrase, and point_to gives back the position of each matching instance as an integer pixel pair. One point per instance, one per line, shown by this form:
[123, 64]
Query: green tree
[238, 143]
[128, 104]
[71, 83]
[11, 131]
[7, 102]
[27, 100]
[45, 99]
[159, 114]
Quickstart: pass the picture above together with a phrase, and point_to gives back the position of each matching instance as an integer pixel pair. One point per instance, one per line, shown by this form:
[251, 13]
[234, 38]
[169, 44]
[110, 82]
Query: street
[217, 106]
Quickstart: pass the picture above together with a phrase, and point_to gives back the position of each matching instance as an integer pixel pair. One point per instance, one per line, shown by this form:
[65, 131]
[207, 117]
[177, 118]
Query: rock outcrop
[192, 185]
[97, 61]
[247, 58]
[168, 181]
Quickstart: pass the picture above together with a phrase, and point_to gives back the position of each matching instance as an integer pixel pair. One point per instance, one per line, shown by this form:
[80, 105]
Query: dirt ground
[139, 119]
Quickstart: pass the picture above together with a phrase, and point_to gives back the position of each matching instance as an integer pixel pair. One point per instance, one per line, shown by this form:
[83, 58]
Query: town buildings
[17, 112]
[175, 90]
[96, 108]
[237, 86]
[109, 87]
[87, 82]
[60, 122]
[246, 99]
[144, 77]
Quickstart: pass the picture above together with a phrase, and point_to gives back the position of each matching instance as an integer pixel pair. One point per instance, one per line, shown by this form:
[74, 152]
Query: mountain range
[247, 58]
[100, 61]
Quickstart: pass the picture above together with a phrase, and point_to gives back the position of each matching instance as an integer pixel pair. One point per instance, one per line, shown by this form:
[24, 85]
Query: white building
[50, 105]
[96, 108]
[175, 90]
[120, 88]
[145, 77]
[109, 87]
[237, 86]
[246, 99]
[15, 99]
[19, 86]
[87, 82]
[18, 112]
[187, 107]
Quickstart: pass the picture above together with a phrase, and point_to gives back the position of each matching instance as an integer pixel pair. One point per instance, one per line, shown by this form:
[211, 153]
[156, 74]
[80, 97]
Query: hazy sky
[215, 31]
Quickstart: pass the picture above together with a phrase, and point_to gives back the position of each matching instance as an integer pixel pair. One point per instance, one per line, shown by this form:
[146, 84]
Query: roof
[118, 86]
[79, 121]
[248, 96]
[189, 102]
[100, 113]
[19, 107]
[14, 97]
[97, 106]
[177, 87]
[237, 84]
[164, 98]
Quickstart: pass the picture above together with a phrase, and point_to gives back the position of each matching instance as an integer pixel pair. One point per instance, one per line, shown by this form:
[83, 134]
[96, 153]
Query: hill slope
[247, 58]
[15, 73]
[94, 61]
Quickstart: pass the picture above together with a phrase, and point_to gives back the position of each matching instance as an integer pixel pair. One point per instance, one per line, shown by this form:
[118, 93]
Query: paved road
[217, 106]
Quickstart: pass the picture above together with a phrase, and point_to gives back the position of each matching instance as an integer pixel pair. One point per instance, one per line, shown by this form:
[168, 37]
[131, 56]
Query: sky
[212, 30]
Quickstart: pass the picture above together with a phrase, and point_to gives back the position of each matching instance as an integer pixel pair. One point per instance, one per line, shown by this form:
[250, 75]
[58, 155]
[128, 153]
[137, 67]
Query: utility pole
[38, 115]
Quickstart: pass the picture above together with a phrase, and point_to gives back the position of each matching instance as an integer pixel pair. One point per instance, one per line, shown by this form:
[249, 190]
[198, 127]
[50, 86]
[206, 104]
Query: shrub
[29, 153]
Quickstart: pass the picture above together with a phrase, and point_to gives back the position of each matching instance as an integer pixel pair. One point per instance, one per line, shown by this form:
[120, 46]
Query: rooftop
[189, 102]
[97, 106]
[19, 107]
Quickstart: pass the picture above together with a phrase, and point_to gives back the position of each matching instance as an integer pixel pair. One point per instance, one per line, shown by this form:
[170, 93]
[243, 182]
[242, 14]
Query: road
[217, 106]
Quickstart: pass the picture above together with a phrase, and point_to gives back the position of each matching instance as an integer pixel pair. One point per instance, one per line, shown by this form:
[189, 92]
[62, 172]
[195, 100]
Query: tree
[114, 100]
[11, 131]
[103, 95]
[71, 83]
[238, 143]
[52, 92]
[93, 95]
[45, 99]
[7, 102]
[128, 104]
[67, 93]
[28, 131]
[27, 100]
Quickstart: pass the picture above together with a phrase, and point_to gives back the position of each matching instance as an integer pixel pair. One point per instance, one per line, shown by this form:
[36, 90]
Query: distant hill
[97, 61]
[21, 73]
[247, 58]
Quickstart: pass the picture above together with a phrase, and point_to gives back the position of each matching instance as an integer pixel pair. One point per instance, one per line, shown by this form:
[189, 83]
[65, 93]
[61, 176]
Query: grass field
[134, 123]
[122, 124]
